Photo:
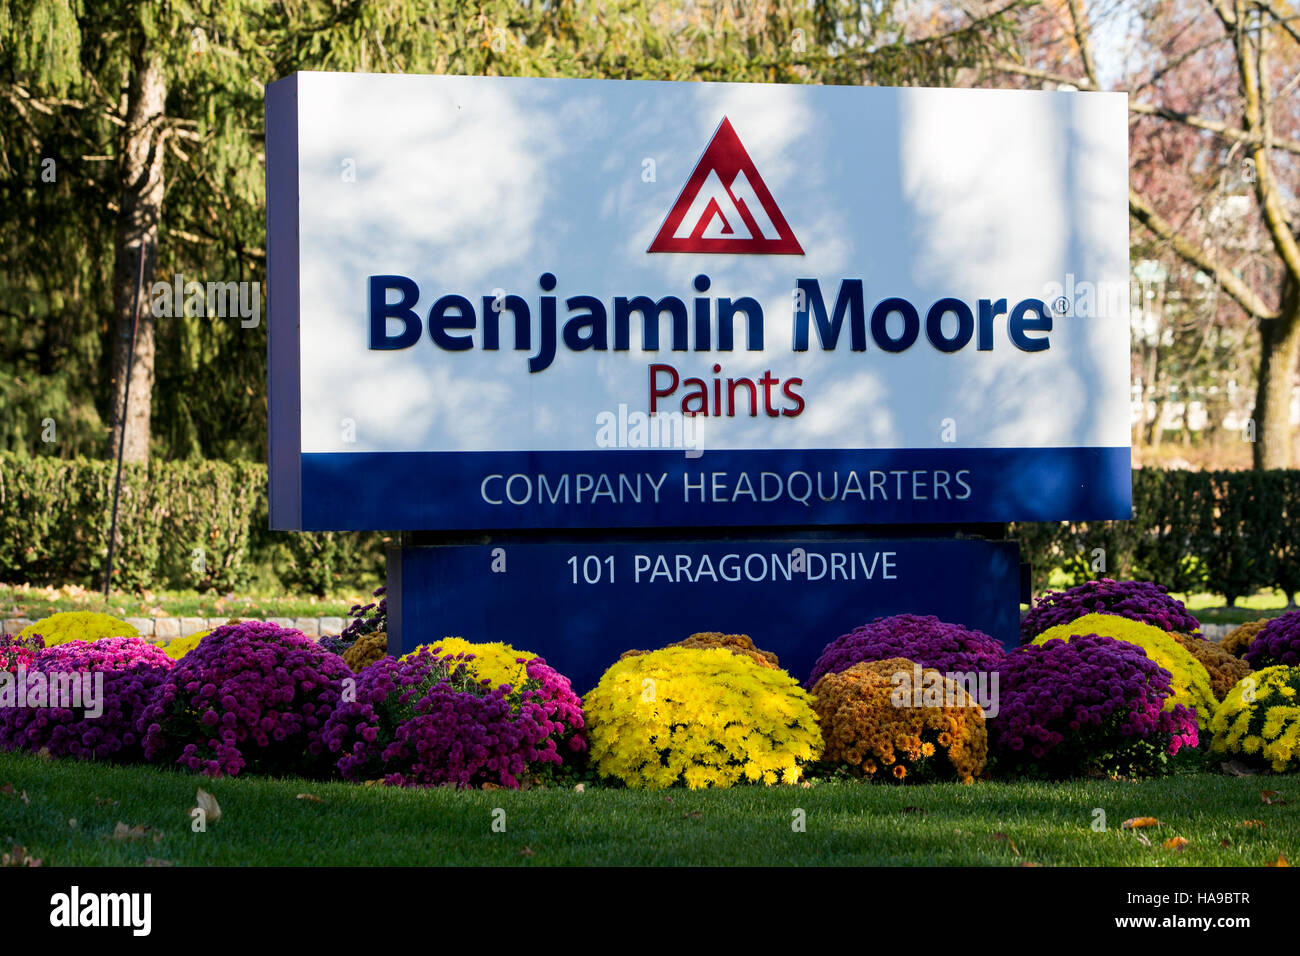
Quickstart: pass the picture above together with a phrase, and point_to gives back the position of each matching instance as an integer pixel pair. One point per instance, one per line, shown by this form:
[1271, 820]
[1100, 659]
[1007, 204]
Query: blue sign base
[582, 603]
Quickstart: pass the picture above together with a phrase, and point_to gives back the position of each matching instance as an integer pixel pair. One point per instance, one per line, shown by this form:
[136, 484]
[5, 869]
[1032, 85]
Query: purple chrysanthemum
[249, 695]
[1136, 600]
[925, 640]
[1067, 707]
[425, 721]
[91, 696]
[1278, 642]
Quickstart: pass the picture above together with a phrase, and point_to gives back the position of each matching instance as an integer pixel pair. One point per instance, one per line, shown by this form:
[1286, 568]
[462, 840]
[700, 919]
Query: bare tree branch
[1242, 293]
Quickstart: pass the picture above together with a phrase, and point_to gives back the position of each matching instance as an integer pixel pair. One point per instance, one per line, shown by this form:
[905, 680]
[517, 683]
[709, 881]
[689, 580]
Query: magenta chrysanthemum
[1136, 600]
[426, 721]
[924, 640]
[1278, 642]
[251, 695]
[1092, 703]
[117, 678]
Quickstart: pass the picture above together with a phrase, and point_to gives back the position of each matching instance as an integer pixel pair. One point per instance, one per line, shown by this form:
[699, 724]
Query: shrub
[1278, 642]
[1260, 717]
[367, 649]
[701, 717]
[736, 643]
[77, 626]
[1090, 704]
[425, 720]
[132, 669]
[1224, 669]
[926, 640]
[1189, 678]
[1237, 641]
[495, 662]
[1136, 600]
[251, 695]
[877, 735]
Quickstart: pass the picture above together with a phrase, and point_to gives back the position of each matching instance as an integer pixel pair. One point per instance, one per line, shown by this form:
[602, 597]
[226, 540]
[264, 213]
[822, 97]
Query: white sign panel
[512, 303]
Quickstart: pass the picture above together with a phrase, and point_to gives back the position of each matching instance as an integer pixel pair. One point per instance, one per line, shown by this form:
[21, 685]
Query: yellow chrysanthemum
[1258, 719]
[496, 662]
[178, 647]
[78, 626]
[699, 717]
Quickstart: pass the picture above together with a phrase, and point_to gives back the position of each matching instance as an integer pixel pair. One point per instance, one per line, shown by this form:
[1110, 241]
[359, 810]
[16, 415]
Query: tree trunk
[140, 176]
[1279, 349]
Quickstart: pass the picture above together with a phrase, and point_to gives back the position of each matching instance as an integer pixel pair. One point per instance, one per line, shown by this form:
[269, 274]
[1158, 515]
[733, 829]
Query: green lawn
[36, 603]
[72, 809]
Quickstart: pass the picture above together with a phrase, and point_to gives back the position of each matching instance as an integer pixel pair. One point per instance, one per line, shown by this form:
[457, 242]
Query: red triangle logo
[725, 207]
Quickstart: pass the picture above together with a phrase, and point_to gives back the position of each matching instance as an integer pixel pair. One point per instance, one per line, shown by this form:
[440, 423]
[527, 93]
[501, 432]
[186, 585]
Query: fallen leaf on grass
[525, 852]
[693, 814]
[1254, 823]
[309, 796]
[1010, 842]
[18, 856]
[1175, 843]
[1137, 822]
[1270, 797]
[580, 788]
[154, 861]
[105, 802]
[44, 754]
[122, 833]
[208, 804]
[1028, 863]
[920, 810]
[1281, 861]
[1225, 844]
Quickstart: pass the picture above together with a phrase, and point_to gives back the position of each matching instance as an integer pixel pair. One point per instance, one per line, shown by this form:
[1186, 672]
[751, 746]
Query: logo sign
[725, 207]
[500, 303]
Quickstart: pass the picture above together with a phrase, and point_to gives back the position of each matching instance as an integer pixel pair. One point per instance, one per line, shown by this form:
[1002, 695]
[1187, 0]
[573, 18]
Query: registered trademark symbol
[1061, 306]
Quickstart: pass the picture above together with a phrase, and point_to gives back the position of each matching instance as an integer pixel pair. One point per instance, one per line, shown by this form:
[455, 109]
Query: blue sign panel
[647, 489]
[580, 604]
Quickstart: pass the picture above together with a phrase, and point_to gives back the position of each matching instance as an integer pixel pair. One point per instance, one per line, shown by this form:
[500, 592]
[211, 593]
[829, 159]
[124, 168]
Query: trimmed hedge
[182, 524]
[1226, 532]
[1223, 532]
